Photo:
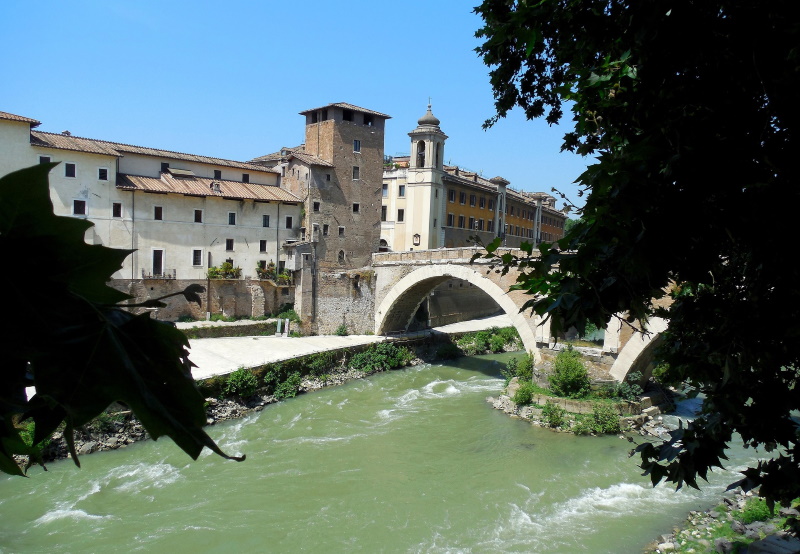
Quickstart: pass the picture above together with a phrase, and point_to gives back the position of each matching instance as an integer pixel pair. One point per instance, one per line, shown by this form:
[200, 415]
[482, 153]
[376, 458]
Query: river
[412, 460]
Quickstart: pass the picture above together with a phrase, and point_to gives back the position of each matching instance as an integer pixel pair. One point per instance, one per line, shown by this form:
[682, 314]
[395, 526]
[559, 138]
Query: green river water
[407, 461]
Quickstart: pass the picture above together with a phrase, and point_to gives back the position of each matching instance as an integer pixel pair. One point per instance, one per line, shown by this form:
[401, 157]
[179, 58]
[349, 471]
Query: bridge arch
[638, 351]
[404, 298]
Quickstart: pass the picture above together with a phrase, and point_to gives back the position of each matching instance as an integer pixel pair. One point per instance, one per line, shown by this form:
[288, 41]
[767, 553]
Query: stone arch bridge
[404, 280]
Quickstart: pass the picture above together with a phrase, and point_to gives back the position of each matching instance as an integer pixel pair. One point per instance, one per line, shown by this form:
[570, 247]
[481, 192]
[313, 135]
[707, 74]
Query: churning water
[408, 461]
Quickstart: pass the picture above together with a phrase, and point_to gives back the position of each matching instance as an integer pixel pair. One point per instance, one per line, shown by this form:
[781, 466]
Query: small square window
[198, 216]
[102, 174]
[356, 207]
[44, 159]
[324, 229]
[229, 245]
[245, 177]
[231, 218]
[341, 231]
[356, 145]
[116, 209]
[316, 206]
[164, 167]
[262, 245]
[197, 257]
[356, 172]
[401, 191]
[69, 170]
[368, 119]
[288, 222]
[385, 190]
[217, 174]
[158, 213]
[347, 115]
[327, 176]
[79, 207]
[401, 214]
[265, 220]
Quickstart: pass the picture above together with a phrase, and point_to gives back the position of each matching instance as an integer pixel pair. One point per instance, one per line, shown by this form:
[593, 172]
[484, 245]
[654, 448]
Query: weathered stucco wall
[242, 297]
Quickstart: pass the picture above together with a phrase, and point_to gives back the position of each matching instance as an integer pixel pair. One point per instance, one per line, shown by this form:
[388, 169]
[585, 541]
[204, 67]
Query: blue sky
[228, 78]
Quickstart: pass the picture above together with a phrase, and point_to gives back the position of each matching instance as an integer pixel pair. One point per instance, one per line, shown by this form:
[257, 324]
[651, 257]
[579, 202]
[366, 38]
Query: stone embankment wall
[230, 297]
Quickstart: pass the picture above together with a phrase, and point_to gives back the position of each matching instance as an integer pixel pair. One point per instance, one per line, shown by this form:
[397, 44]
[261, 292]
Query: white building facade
[181, 213]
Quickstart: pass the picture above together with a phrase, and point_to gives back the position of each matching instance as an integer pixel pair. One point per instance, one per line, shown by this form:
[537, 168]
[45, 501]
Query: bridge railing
[436, 255]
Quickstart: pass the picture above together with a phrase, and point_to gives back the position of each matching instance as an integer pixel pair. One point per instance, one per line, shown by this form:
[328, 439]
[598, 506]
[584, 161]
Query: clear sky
[228, 78]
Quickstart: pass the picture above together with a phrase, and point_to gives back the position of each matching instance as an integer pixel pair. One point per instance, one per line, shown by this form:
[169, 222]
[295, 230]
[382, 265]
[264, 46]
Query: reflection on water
[408, 461]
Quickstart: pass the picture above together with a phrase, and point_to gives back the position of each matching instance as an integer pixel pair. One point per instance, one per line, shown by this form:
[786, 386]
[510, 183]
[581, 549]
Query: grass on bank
[283, 379]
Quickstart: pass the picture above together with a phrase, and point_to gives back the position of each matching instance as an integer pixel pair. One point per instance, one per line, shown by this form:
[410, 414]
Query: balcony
[166, 274]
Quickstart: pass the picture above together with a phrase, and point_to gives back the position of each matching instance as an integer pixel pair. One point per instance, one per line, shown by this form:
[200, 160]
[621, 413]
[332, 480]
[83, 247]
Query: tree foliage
[690, 109]
[68, 337]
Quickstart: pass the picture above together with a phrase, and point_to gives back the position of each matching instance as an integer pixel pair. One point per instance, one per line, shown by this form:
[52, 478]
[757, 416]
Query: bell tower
[425, 172]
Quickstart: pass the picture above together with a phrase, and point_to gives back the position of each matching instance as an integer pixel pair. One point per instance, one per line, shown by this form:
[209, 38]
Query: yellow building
[426, 204]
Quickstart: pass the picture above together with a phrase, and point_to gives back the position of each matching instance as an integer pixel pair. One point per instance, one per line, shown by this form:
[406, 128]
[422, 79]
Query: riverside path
[225, 355]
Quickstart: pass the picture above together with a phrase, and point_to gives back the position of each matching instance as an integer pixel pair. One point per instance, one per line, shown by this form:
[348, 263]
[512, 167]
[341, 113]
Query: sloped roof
[80, 144]
[14, 117]
[346, 106]
[203, 186]
[296, 152]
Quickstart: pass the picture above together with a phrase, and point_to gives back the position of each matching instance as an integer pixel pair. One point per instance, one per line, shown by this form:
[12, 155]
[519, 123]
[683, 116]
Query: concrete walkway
[225, 355]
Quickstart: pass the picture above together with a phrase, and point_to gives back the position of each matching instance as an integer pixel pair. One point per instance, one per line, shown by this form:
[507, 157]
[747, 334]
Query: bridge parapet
[436, 256]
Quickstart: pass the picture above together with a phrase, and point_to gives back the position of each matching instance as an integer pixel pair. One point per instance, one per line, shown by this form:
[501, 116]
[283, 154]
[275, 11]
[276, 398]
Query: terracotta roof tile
[80, 144]
[202, 186]
[14, 117]
[346, 106]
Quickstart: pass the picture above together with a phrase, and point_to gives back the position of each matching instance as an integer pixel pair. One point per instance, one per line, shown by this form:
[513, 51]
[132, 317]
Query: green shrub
[604, 419]
[554, 415]
[241, 383]
[380, 357]
[186, 319]
[289, 387]
[628, 390]
[569, 377]
[510, 336]
[524, 394]
[26, 433]
[497, 343]
[291, 315]
[755, 509]
[448, 351]
[519, 367]
[663, 374]
[323, 362]
[341, 331]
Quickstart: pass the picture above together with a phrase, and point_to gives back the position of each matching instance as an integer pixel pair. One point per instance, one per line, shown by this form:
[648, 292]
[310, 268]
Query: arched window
[341, 256]
[421, 154]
